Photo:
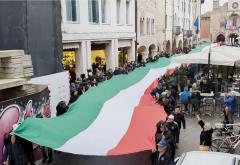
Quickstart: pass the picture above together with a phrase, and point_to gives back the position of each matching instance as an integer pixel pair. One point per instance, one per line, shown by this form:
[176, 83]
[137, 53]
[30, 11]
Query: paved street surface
[189, 142]
[190, 136]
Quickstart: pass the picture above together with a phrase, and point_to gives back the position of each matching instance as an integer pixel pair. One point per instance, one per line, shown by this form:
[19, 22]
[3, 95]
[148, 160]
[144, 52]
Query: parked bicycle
[227, 142]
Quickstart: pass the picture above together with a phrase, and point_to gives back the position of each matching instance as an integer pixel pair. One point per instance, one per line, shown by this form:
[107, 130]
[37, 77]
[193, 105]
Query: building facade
[146, 28]
[225, 22]
[182, 25]
[196, 13]
[97, 31]
[205, 27]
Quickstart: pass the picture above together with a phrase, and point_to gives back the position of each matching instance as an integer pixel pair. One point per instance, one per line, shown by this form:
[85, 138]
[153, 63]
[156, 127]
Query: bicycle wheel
[220, 145]
[215, 145]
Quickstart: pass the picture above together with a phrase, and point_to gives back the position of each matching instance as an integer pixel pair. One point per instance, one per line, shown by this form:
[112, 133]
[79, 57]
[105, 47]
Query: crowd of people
[175, 94]
[96, 75]
[19, 151]
[80, 84]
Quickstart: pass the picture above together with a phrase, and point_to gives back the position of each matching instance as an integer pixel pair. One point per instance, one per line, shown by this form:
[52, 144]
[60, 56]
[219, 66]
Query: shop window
[68, 60]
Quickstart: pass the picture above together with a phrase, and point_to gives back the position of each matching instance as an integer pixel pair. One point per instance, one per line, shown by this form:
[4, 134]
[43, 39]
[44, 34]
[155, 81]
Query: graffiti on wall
[15, 112]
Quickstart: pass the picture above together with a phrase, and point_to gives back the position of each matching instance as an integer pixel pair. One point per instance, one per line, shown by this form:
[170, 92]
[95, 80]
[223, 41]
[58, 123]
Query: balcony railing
[187, 33]
[177, 30]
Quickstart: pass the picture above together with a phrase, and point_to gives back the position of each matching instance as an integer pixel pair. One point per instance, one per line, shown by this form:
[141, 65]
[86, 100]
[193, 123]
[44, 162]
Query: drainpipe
[136, 29]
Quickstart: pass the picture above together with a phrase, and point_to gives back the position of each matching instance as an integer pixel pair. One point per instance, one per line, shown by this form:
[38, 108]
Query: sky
[207, 6]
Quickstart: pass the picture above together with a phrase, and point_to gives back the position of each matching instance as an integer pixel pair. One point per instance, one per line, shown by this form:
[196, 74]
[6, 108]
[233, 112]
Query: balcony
[177, 30]
[187, 33]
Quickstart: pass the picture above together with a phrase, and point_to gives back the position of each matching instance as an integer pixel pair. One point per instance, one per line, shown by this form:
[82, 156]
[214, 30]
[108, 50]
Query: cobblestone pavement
[189, 138]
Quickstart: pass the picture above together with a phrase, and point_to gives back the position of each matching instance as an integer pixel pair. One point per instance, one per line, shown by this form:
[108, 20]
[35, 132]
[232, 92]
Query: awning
[221, 55]
[124, 43]
[71, 46]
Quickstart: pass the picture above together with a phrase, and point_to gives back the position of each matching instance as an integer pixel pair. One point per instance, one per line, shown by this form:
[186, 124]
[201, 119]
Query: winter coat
[205, 136]
[230, 103]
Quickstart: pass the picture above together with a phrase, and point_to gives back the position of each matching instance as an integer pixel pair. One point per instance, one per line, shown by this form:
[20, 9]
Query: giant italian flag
[117, 117]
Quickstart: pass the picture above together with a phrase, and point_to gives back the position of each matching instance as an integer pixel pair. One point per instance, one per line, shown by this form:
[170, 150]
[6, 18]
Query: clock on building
[235, 5]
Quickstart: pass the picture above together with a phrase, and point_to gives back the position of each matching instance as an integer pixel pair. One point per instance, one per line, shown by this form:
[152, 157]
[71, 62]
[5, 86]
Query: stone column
[131, 52]
[110, 55]
[78, 62]
[116, 52]
[89, 54]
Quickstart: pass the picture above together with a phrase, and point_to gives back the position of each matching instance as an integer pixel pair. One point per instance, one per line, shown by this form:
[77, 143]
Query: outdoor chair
[218, 103]
[208, 107]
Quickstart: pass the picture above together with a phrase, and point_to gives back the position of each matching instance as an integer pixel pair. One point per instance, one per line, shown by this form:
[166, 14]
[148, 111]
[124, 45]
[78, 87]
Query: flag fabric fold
[196, 25]
[107, 119]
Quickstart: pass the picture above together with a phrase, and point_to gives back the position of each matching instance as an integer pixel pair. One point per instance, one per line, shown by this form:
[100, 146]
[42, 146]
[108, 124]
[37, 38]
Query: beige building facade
[224, 22]
[146, 28]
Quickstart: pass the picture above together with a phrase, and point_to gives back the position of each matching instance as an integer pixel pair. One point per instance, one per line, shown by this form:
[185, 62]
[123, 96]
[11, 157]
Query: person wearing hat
[172, 126]
[180, 120]
[162, 156]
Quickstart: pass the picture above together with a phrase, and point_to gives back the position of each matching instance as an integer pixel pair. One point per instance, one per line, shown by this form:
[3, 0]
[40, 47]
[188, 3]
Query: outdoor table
[207, 94]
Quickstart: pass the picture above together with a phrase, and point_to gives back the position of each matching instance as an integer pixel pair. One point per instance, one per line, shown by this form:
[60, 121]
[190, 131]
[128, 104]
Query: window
[152, 27]
[142, 26]
[93, 11]
[104, 11]
[118, 11]
[234, 20]
[71, 10]
[127, 12]
[148, 26]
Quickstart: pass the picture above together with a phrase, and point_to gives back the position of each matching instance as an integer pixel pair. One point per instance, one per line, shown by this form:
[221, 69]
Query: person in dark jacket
[15, 152]
[173, 128]
[28, 149]
[61, 108]
[195, 98]
[47, 157]
[74, 97]
[206, 134]
[7, 143]
[162, 156]
[180, 120]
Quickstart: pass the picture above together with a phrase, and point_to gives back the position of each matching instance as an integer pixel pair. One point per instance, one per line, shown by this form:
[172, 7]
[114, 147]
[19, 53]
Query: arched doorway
[220, 38]
[190, 44]
[152, 50]
[180, 45]
[174, 46]
[185, 43]
[168, 47]
[142, 51]
[233, 38]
